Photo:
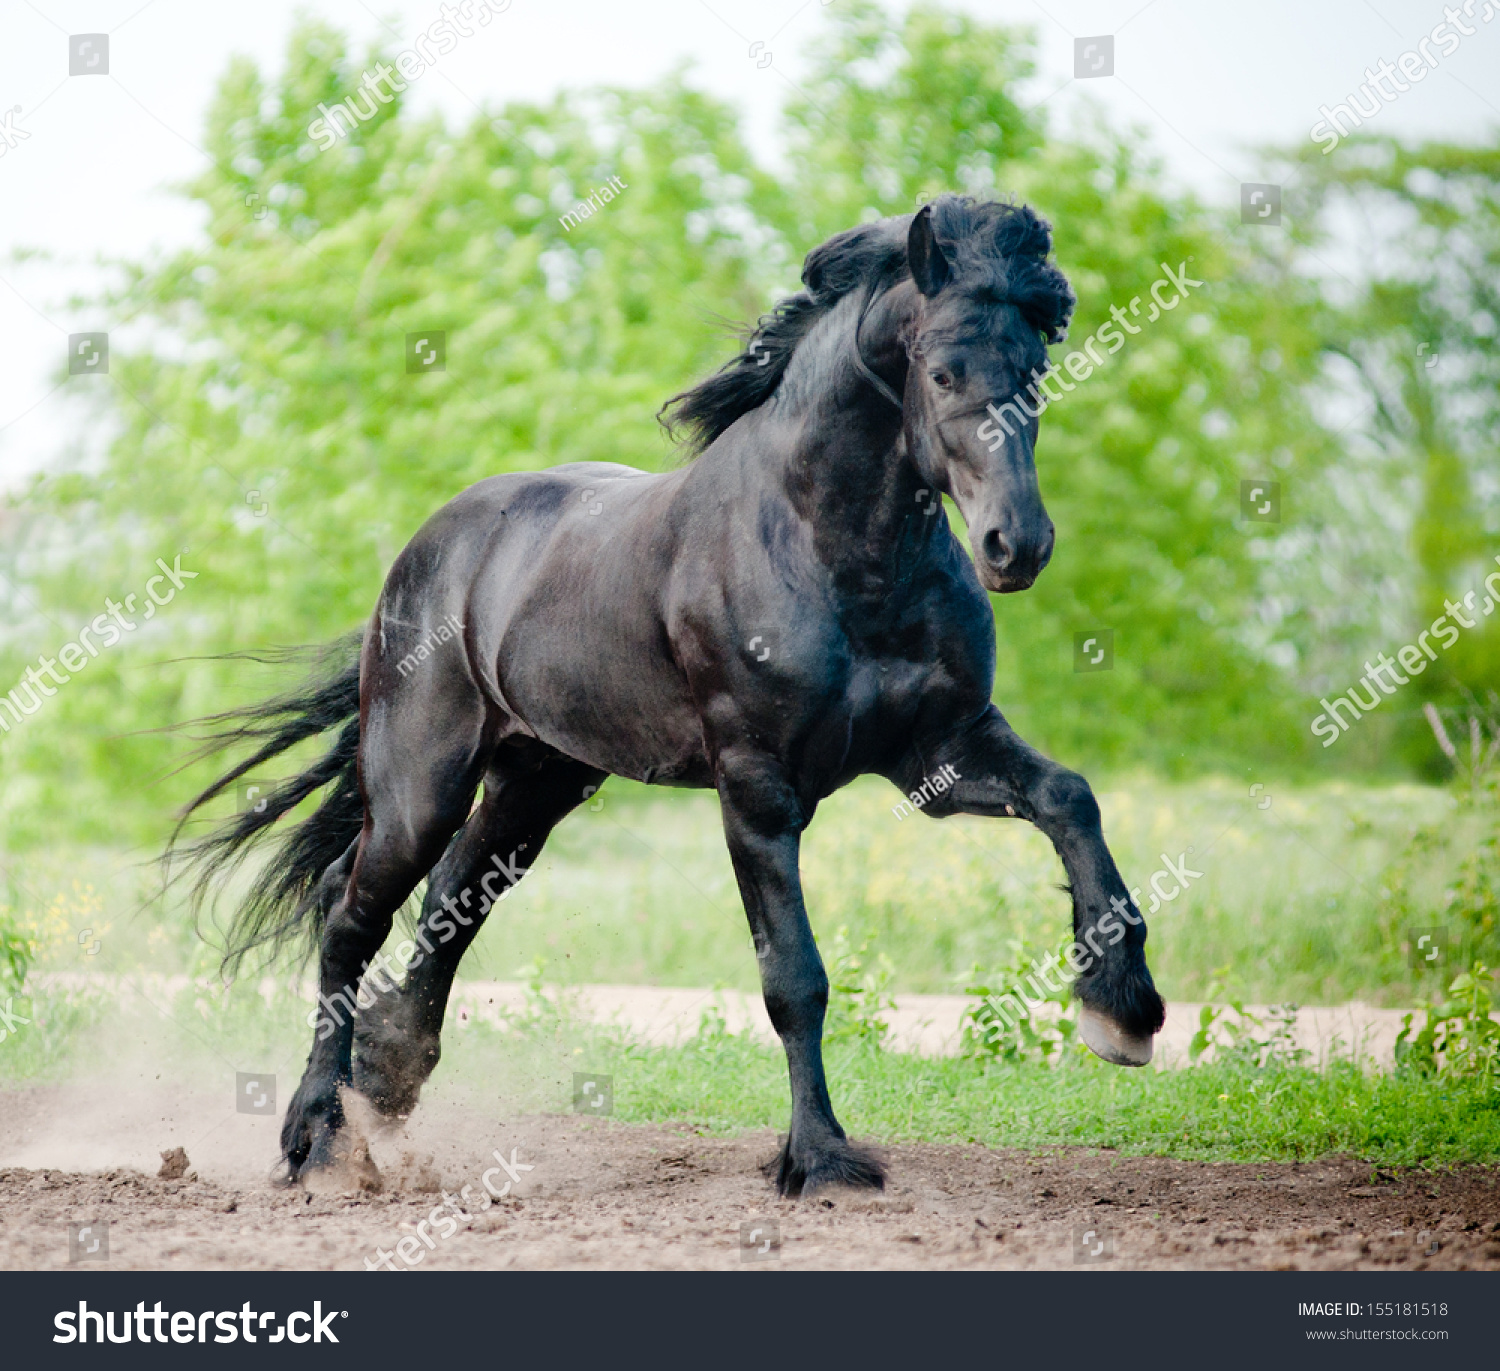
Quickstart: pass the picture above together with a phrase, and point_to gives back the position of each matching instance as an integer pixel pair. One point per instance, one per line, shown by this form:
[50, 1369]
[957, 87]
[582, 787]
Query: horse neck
[847, 472]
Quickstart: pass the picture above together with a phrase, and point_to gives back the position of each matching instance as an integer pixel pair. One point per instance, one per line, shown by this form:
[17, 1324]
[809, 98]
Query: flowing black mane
[1004, 245]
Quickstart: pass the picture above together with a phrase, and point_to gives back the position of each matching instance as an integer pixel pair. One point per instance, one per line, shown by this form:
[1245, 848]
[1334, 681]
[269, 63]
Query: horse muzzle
[1007, 564]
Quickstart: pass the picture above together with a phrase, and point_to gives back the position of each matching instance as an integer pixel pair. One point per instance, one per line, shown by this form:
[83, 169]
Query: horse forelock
[1001, 249]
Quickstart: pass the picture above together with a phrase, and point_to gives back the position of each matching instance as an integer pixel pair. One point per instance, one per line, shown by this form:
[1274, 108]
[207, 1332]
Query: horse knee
[1065, 801]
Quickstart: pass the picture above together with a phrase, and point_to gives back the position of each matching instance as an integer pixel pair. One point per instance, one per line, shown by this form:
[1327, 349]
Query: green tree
[270, 427]
[1416, 338]
[259, 419]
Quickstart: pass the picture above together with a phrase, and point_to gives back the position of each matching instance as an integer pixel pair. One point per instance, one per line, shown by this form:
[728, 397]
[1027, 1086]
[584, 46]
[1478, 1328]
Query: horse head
[987, 303]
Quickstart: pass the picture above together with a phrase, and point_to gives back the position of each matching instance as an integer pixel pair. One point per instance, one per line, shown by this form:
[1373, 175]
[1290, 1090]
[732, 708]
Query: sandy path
[926, 1024]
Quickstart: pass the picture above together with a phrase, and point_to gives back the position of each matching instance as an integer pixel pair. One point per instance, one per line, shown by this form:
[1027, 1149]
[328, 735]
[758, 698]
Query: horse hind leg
[384, 872]
[397, 1038]
[417, 791]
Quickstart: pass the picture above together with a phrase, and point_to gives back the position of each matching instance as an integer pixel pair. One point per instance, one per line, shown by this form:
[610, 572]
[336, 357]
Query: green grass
[640, 891]
[1204, 1113]
[1295, 900]
[720, 1083]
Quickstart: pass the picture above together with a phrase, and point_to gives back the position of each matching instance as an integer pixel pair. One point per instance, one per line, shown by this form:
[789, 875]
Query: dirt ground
[605, 1195]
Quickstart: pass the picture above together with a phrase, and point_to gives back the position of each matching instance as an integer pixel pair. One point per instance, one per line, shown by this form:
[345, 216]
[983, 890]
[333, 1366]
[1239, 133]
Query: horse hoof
[1108, 1041]
[837, 1164]
[339, 1161]
[350, 1170]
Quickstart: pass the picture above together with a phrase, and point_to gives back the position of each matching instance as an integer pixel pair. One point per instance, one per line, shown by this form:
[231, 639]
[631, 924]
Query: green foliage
[278, 438]
[895, 110]
[1002, 1025]
[722, 1082]
[643, 892]
[1210, 1113]
[1460, 1038]
[261, 420]
[1414, 340]
[540, 1013]
[1448, 874]
[18, 942]
[1141, 465]
[15, 956]
[1474, 894]
[1476, 764]
[859, 992]
[1240, 1038]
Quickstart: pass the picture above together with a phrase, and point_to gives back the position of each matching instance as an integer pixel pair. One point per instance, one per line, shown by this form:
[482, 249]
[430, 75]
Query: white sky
[1209, 81]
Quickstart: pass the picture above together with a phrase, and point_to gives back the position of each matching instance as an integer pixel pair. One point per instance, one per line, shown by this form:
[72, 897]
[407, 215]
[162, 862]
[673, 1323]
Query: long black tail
[283, 900]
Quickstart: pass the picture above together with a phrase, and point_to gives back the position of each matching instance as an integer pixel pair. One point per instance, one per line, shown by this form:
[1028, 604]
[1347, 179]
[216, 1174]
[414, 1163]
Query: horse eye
[942, 380]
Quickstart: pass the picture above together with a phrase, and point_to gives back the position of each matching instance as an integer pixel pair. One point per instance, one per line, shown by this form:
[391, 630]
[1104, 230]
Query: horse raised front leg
[763, 823]
[994, 772]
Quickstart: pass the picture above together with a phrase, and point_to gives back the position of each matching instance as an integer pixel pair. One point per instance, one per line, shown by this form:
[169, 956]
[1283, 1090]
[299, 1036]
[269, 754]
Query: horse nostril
[996, 550]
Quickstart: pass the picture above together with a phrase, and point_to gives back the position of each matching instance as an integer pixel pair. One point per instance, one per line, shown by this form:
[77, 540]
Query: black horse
[784, 613]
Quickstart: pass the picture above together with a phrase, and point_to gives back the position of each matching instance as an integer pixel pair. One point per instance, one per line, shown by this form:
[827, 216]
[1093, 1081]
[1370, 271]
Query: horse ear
[929, 268]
